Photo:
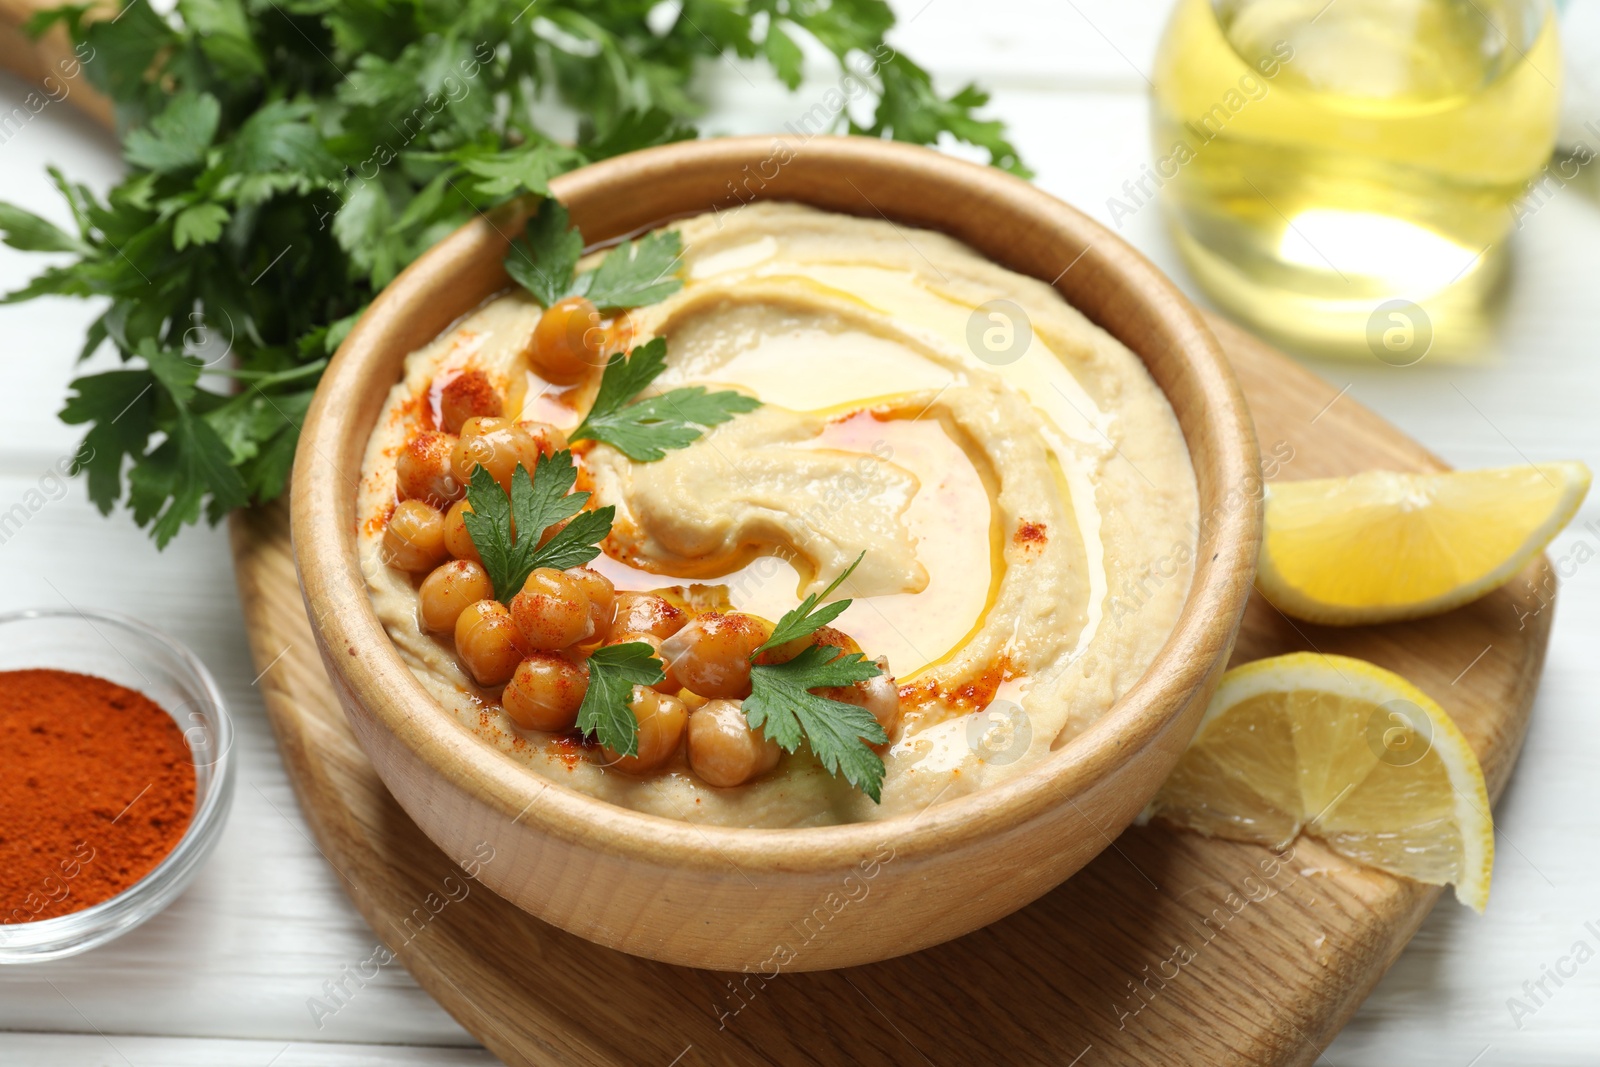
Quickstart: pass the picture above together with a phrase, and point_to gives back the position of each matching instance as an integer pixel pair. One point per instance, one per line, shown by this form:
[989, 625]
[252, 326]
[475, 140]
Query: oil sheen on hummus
[1020, 489]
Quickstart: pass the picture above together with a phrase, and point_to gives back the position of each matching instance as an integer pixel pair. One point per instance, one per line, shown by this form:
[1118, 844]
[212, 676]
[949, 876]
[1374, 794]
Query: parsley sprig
[505, 528]
[544, 261]
[647, 429]
[781, 701]
[285, 161]
[605, 712]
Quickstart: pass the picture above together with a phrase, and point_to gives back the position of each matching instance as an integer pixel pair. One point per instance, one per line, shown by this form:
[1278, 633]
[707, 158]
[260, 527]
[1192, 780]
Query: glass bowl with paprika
[115, 777]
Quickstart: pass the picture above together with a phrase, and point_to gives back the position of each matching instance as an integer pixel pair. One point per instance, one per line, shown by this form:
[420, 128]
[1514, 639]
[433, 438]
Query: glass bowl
[131, 654]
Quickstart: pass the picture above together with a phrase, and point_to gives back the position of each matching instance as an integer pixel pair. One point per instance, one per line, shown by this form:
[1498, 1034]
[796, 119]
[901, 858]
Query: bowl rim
[337, 602]
[86, 928]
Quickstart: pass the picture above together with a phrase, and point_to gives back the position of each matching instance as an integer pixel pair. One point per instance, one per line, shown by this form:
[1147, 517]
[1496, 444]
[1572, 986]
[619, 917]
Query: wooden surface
[223, 977]
[1277, 966]
[743, 898]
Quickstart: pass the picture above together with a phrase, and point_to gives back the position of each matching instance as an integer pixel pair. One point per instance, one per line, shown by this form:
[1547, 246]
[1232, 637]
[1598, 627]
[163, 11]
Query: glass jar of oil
[1344, 174]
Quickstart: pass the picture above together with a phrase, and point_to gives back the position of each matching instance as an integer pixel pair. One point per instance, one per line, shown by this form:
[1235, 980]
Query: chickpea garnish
[468, 395]
[649, 614]
[545, 692]
[497, 445]
[669, 682]
[552, 611]
[662, 720]
[457, 540]
[824, 635]
[448, 591]
[424, 469]
[486, 642]
[724, 750]
[880, 696]
[414, 539]
[711, 655]
[602, 598]
[568, 343]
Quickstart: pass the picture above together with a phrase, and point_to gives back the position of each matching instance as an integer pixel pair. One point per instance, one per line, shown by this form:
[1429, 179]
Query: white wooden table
[223, 977]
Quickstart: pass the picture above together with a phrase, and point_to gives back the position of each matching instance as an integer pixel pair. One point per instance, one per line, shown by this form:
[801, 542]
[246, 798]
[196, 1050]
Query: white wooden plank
[124, 1050]
[266, 923]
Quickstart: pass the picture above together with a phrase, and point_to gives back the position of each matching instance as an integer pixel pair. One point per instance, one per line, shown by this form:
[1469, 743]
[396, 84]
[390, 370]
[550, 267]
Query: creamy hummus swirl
[1017, 482]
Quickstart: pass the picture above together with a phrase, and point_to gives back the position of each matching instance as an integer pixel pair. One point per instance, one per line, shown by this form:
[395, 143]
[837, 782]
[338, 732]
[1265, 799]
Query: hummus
[1016, 481]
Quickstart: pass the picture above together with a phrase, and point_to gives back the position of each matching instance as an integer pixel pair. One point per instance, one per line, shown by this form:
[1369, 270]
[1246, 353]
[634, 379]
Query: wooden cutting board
[1168, 949]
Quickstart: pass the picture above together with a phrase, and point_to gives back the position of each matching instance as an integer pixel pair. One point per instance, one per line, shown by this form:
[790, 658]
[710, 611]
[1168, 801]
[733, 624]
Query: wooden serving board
[1168, 949]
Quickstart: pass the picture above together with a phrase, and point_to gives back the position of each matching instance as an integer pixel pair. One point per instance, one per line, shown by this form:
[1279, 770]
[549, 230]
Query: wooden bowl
[774, 900]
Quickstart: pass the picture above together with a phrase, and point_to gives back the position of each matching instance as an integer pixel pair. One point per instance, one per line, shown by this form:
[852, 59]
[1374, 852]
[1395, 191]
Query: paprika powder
[96, 786]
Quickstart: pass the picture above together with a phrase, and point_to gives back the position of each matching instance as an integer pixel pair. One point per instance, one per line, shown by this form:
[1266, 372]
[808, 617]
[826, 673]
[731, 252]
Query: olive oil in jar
[1327, 161]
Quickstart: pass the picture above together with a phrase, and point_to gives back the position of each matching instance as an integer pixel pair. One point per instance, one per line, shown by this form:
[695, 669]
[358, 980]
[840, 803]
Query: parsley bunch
[286, 158]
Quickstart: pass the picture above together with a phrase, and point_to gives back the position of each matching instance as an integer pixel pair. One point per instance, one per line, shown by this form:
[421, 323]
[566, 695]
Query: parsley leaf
[781, 703]
[605, 712]
[805, 619]
[506, 529]
[634, 274]
[647, 429]
[285, 161]
[544, 261]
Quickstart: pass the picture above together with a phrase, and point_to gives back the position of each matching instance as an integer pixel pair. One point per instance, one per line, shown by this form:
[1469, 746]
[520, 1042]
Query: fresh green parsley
[286, 160]
[806, 619]
[781, 701]
[647, 429]
[505, 529]
[606, 712]
[544, 261]
[782, 704]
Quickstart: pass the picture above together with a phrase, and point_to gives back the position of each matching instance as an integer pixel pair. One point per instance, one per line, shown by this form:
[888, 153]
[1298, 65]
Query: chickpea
[566, 344]
[669, 682]
[711, 655]
[486, 642]
[880, 696]
[424, 469]
[552, 611]
[724, 750]
[457, 540]
[547, 438]
[602, 598]
[448, 591]
[414, 538]
[468, 395]
[824, 635]
[661, 724]
[619, 335]
[500, 446]
[545, 692]
[649, 614]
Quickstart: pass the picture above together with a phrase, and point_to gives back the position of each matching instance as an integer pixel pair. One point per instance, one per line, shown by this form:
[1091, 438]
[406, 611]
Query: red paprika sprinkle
[96, 787]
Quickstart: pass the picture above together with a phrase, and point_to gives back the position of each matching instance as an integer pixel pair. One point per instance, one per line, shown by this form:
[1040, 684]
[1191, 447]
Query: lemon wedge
[1346, 752]
[1384, 546]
